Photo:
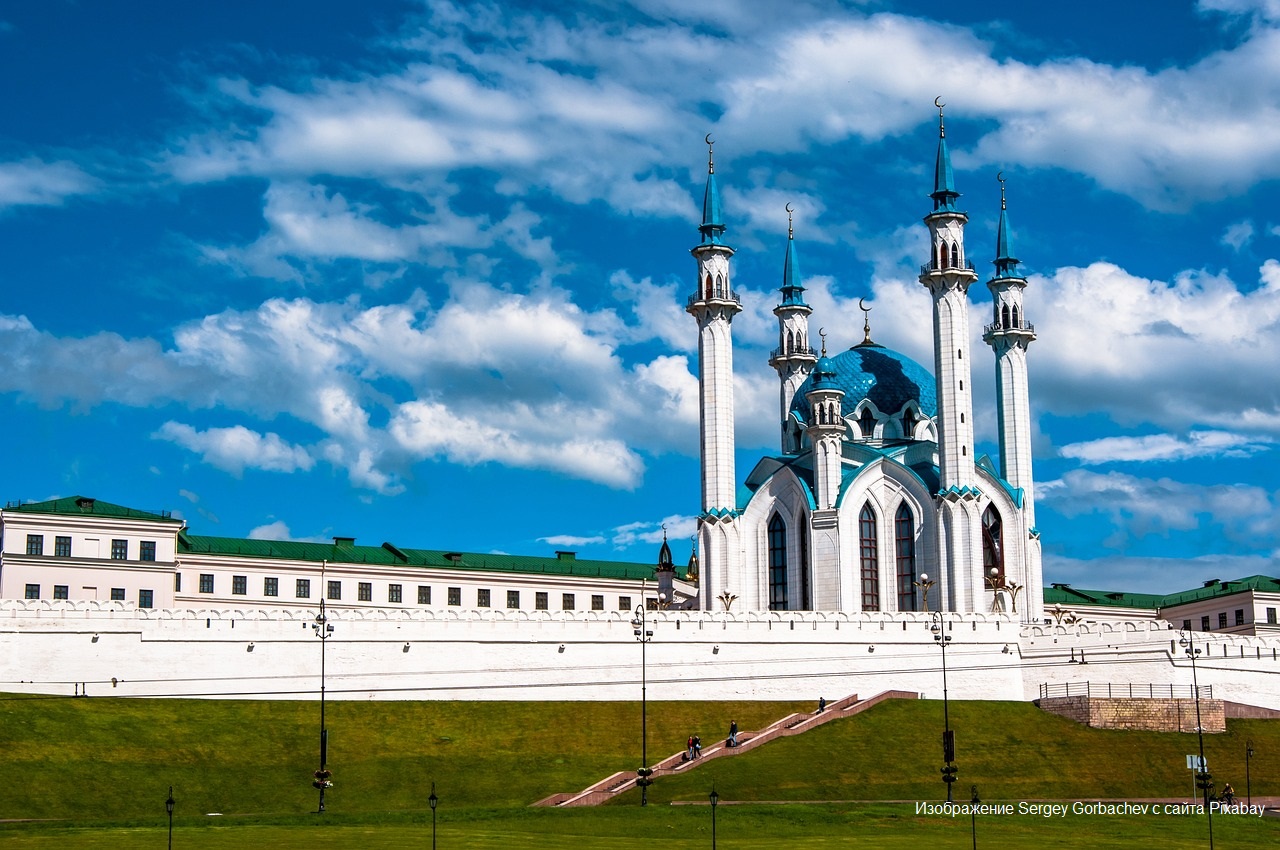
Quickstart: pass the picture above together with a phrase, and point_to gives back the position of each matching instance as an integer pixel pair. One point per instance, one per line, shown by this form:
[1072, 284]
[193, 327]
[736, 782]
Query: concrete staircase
[792, 724]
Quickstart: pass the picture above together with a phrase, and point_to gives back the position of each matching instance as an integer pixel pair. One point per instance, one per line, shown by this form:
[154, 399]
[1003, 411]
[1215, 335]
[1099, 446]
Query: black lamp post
[642, 633]
[948, 738]
[973, 815]
[715, 800]
[433, 801]
[1204, 779]
[168, 807]
[1248, 755]
[323, 629]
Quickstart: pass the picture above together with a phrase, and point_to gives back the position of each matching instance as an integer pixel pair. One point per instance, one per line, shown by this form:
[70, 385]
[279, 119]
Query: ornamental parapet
[930, 268]
[718, 295]
[793, 353]
[1025, 328]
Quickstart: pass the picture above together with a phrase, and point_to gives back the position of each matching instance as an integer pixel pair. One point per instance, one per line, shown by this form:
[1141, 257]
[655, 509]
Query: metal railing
[794, 351]
[1025, 327]
[1123, 690]
[939, 267]
[718, 293]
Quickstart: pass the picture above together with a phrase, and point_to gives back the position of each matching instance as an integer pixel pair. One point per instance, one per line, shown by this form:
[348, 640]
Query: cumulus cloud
[279, 530]
[1153, 574]
[570, 540]
[1159, 447]
[1238, 235]
[236, 448]
[34, 182]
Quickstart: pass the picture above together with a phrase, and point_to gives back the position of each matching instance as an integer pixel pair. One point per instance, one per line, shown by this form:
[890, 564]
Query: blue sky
[410, 272]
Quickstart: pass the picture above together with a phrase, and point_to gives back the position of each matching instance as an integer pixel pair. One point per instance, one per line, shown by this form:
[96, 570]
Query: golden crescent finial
[866, 322]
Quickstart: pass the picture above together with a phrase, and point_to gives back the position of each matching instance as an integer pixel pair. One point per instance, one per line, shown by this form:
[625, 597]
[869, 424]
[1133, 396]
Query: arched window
[992, 544]
[904, 533]
[708, 285]
[945, 262]
[791, 342]
[908, 423]
[867, 422]
[1017, 320]
[955, 254]
[777, 564]
[1004, 317]
[870, 564]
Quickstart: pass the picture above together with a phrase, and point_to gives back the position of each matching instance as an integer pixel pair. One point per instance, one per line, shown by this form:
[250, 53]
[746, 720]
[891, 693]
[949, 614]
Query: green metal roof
[1064, 594]
[1223, 588]
[85, 506]
[390, 555]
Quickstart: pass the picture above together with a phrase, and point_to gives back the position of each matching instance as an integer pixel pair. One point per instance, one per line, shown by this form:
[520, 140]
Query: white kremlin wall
[109, 649]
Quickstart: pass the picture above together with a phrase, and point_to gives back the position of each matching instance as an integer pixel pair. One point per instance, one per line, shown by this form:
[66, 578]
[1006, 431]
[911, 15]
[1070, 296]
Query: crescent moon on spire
[788, 208]
[1000, 176]
[707, 139]
[861, 307]
[937, 101]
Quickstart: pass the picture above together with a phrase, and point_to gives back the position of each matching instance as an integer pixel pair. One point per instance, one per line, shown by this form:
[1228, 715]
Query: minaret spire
[944, 192]
[712, 226]
[1005, 261]
[793, 358]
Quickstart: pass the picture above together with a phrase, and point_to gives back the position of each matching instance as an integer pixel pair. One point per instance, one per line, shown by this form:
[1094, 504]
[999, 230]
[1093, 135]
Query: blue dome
[887, 378]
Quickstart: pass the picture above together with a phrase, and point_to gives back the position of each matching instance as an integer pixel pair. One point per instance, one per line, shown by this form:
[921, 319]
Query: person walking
[697, 746]
[822, 704]
[733, 733]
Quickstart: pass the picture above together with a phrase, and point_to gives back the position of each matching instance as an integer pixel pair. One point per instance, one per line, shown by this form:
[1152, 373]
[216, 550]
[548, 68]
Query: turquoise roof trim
[1006, 263]
[712, 226]
[791, 289]
[944, 183]
[887, 379]
[1015, 493]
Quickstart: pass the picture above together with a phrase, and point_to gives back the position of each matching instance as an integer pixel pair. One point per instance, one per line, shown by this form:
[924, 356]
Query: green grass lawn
[99, 769]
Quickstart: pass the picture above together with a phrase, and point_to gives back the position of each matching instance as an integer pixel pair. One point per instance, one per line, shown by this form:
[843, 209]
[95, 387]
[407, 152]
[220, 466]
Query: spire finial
[942, 127]
[711, 159]
[822, 332]
[791, 233]
[664, 532]
[1000, 177]
[866, 323]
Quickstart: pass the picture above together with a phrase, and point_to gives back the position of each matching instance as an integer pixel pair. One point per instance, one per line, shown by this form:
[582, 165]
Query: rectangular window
[62, 547]
[1239, 616]
[624, 603]
[147, 550]
[271, 586]
[1204, 623]
[177, 582]
[1271, 616]
[364, 591]
[513, 599]
[395, 593]
[597, 602]
[482, 597]
[540, 601]
[117, 594]
[567, 602]
[455, 596]
[239, 585]
[1222, 620]
[206, 582]
[119, 550]
[146, 599]
[35, 545]
[60, 591]
[424, 594]
[302, 589]
[334, 590]
[1186, 625]
[33, 591]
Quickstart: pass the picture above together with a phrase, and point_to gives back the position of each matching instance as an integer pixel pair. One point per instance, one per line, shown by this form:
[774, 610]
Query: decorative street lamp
[940, 635]
[168, 807]
[973, 815]
[924, 584]
[1204, 780]
[323, 629]
[433, 801]
[1248, 755]
[715, 799]
[644, 635]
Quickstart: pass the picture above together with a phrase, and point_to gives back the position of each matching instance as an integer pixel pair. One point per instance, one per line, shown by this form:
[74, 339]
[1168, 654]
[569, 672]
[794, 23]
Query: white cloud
[236, 448]
[279, 530]
[1152, 574]
[1268, 10]
[1238, 235]
[1157, 447]
[34, 182]
[674, 528]
[570, 540]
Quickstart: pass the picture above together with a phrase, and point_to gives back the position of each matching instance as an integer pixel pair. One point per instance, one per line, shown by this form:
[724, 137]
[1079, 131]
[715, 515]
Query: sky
[415, 271]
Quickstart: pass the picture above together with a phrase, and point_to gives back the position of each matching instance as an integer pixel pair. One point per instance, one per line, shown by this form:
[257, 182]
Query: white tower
[1009, 335]
[714, 305]
[793, 358]
[826, 432]
[947, 276]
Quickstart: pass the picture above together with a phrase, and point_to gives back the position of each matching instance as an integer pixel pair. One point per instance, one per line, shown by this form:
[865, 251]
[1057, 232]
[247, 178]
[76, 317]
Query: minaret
[714, 305]
[826, 431]
[665, 573]
[793, 358]
[1009, 334]
[947, 276]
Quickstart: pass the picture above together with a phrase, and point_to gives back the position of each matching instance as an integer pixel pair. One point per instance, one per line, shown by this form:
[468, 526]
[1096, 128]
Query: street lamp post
[433, 801]
[924, 584]
[323, 629]
[1203, 777]
[168, 807]
[715, 800]
[973, 815]
[948, 738]
[1248, 755]
[644, 635]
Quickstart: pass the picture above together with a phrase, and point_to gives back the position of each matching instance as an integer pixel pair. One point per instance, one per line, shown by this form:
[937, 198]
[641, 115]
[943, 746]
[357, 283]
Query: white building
[876, 495]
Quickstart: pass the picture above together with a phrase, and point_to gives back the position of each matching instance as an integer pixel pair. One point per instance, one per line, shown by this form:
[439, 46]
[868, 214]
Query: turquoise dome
[871, 371]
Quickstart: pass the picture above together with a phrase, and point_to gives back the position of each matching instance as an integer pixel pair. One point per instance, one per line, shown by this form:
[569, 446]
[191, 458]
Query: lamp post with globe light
[1204, 779]
[640, 627]
[940, 636]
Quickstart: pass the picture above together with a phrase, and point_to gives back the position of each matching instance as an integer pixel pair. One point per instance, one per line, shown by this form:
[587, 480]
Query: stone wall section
[1139, 714]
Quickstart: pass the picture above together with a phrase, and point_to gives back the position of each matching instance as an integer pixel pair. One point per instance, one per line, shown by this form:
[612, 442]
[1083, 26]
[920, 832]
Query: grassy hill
[108, 763]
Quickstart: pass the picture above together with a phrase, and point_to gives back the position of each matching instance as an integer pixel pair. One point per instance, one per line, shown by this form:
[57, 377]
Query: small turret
[793, 358]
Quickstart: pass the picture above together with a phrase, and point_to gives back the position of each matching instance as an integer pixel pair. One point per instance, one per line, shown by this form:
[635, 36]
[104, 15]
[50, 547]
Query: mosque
[875, 495]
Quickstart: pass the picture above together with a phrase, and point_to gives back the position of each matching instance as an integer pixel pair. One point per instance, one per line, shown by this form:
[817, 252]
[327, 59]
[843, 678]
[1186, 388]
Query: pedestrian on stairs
[688, 751]
[697, 746]
[733, 733]
[822, 704]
